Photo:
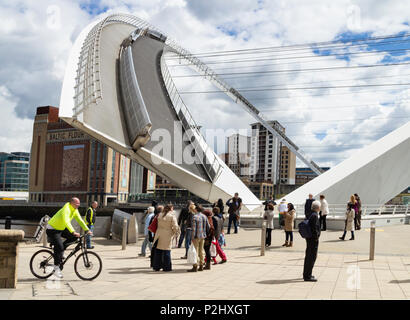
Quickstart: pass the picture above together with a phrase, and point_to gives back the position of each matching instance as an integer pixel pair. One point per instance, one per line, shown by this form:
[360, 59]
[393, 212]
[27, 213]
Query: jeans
[289, 234]
[268, 236]
[188, 236]
[144, 245]
[312, 246]
[181, 237]
[232, 218]
[59, 245]
[88, 237]
[344, 234]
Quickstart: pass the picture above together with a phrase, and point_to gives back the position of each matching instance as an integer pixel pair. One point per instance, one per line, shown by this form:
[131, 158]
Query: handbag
[192, 257]
[154, 225]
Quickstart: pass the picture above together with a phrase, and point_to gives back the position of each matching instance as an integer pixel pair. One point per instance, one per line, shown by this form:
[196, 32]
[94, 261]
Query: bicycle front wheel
[42, 264]
[88, 265]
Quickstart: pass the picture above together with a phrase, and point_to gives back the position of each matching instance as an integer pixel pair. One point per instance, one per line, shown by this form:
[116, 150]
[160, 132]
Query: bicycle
[42, 262]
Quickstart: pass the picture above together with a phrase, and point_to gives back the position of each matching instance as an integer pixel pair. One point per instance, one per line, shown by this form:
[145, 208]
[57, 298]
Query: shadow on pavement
[126, 258]
[107, 242]
[400, 281]
[280, 281]
[31, 280]
[145, 270]
[336, 240]
[247, 247]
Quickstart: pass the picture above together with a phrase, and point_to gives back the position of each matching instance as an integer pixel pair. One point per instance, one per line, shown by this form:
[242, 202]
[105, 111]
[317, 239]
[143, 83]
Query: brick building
[66, 162]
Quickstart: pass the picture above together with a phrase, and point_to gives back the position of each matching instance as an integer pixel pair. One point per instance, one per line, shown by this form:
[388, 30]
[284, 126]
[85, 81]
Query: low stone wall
[9, 243]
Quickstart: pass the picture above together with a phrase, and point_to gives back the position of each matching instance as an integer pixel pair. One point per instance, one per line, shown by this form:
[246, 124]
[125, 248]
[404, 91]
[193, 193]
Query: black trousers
[59, 246]
[268, 236]
[358, 220]
[207, 249]
[161, 259]
[312, 246]
[322, 222]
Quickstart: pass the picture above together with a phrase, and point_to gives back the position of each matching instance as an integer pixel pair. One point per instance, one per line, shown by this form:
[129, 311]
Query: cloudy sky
[328, 123]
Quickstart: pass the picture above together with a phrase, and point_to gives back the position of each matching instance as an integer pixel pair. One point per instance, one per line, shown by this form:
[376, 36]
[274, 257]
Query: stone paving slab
[342, 274]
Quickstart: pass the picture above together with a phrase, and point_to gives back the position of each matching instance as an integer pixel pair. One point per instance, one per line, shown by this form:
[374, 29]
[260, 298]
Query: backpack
[304, 228]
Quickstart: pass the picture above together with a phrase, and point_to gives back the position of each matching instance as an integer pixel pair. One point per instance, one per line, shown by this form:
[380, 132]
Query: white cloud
[16, 133]
[35, 39]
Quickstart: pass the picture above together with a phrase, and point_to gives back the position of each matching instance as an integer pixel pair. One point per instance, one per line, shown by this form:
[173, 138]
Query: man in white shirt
[283, 208]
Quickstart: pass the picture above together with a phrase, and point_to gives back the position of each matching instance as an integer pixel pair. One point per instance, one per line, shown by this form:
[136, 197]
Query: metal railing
[339, 210]
[41, 226]
[208, 158]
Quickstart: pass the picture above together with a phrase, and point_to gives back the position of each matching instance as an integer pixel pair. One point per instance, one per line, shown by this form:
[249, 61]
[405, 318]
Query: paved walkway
[342, 268]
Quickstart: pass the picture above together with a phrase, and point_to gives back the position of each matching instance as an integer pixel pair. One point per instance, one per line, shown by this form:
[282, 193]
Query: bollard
[7, 223]
[263, 238]
[124, 234]
[372, 239]
[9, 245]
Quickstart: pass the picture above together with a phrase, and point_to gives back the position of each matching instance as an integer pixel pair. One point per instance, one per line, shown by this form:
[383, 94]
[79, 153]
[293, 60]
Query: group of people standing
[353, 216]
[287, 214]
[324, 209]
[199, 227]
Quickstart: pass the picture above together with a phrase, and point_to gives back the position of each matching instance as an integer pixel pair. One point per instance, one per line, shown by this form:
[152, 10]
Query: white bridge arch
[112, 68]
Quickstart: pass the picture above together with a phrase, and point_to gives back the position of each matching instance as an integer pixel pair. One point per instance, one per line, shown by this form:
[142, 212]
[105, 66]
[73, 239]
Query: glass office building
[14, 168]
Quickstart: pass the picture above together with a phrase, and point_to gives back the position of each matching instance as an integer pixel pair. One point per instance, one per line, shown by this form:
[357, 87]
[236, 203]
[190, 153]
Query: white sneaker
[57, 272]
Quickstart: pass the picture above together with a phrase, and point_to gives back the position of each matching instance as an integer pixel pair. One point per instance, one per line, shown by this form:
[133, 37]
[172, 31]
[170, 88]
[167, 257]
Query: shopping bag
[213, 250]
[154, 225]
[192, 255]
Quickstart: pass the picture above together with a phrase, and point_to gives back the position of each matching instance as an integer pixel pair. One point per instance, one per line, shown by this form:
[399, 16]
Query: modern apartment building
[14, 168]
[238, 159]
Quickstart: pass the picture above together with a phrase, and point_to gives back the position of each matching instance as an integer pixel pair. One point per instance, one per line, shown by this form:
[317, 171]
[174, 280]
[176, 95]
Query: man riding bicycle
[60, 226]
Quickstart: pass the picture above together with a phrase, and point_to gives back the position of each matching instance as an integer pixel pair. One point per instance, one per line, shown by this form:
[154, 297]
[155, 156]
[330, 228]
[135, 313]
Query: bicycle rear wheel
[88, 265]
[42, 264]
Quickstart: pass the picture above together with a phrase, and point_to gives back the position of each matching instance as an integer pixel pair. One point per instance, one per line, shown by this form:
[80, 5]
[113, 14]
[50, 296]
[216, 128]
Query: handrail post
[372, 239]
[7, 223]
[124, 234]
[263, 238]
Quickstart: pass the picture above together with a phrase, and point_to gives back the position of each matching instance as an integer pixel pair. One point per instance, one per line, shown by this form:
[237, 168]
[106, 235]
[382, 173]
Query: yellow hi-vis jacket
[62, 219]
[90, 217]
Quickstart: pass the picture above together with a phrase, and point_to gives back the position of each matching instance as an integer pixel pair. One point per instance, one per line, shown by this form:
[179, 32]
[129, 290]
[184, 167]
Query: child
[221, 240]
